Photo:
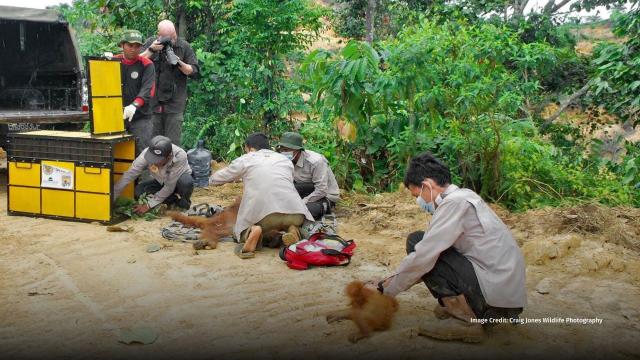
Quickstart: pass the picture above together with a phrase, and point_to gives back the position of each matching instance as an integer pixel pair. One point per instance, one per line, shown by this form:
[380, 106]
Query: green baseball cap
[132, 37]
[291, 140]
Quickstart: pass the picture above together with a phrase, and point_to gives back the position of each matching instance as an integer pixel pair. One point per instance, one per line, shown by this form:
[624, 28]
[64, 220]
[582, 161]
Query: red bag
[319, 250]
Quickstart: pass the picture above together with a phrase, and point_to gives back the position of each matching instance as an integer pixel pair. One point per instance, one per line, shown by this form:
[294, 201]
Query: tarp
[26, 14]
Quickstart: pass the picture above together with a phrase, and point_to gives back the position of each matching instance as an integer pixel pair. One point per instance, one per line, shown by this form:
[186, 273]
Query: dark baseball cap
[159, 148]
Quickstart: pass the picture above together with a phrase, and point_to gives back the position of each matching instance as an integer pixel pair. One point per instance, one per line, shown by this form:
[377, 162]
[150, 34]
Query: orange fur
[213, 228]
[370, 310]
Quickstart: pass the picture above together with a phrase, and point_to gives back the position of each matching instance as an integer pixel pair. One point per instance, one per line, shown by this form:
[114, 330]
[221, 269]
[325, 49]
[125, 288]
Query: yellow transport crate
[67, 175]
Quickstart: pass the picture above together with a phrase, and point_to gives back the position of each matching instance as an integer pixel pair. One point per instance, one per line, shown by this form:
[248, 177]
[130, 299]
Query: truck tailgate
[42, 116]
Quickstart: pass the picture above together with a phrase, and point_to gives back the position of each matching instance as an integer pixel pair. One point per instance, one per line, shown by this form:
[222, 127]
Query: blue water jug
[200, 161]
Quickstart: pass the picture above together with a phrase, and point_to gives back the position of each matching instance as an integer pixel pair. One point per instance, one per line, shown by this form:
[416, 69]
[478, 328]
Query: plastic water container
[200, 161]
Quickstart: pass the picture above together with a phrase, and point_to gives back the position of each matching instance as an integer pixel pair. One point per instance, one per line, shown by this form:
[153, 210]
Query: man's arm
[320, 179]
[233, 172]
[149, 47]
[189, 65]
[148, 88]
[136, 168]
[446, 227]
[179, 167]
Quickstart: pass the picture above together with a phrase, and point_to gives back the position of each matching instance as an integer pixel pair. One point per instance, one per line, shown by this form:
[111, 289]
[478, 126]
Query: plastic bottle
[200, 161]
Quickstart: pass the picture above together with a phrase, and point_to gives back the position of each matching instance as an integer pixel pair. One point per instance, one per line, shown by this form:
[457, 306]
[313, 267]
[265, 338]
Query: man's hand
[129, 111]
[373, 284]
[156, 46]
[141, 208]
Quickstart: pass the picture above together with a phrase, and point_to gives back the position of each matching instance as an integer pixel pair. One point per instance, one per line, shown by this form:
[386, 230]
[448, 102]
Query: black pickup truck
[42, 82]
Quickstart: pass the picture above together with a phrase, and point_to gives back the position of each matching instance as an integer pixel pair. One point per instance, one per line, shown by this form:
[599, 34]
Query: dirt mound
[619, 226]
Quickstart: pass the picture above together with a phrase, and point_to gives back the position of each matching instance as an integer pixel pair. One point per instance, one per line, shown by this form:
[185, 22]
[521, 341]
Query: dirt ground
[67, 288]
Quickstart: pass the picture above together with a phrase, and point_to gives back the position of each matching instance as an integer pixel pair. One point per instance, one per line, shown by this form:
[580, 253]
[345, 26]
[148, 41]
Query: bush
[456, 90]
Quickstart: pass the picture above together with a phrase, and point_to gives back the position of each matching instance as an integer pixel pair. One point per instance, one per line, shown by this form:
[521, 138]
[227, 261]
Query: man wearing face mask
[312, 176]
[172, 183]
[467, 258]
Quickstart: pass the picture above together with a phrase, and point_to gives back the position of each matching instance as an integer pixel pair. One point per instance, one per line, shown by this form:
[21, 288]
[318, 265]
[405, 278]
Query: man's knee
[304, 188]
[413, 239]
[316, 209]
[138, 190]
[185, 184]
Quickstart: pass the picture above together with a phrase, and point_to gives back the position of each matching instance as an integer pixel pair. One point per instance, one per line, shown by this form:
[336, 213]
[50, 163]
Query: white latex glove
[129, 111]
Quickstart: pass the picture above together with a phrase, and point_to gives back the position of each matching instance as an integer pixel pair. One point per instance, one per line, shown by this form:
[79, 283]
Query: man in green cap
[138, 88]
[312, 175]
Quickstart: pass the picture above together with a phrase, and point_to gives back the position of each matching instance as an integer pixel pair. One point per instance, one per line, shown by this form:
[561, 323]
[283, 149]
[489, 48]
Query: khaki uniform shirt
[167, 175]
[313, 167]
[463, 220]
[268, 187]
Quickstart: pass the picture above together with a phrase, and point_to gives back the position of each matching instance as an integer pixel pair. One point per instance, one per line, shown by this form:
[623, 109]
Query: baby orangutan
[370, 310]
[213, 228]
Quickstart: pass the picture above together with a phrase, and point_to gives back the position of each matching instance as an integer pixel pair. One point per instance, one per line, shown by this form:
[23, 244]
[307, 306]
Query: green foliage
[461, 85]
[245, 84]
[616, 82]
[457, 90]
[99, 23]
[126, 206]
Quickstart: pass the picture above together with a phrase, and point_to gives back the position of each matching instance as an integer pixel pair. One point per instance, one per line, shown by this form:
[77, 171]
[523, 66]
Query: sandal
[243, 254]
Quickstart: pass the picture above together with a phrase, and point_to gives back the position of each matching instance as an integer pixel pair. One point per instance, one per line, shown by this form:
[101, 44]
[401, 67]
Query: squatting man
[467, 258]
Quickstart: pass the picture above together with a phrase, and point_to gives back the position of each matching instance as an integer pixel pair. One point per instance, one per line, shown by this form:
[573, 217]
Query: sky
[41, 4]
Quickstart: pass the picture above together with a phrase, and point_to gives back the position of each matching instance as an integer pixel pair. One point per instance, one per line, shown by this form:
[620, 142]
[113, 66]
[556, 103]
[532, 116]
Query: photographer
[174, 61]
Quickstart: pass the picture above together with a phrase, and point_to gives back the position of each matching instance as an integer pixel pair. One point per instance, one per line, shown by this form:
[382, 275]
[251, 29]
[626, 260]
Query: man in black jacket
[138, 89]
[175, 61]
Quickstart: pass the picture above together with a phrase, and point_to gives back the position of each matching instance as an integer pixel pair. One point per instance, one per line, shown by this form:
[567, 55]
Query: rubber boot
[459, 326]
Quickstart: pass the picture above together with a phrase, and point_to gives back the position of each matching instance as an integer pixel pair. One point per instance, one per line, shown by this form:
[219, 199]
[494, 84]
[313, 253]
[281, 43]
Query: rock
[153, 248]
[117, 228]
[544, 286]
[142, 335]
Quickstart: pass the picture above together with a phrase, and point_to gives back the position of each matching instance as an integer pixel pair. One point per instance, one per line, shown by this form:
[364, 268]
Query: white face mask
[288, 154]
[427, 207]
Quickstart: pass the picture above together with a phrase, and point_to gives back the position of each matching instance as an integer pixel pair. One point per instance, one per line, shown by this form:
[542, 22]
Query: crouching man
[172, 182]
[270, 203]
[467, 257]
[312, 176]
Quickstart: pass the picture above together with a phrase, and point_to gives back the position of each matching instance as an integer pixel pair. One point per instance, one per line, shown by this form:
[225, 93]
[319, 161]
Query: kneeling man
[312, 175]
[270, 203]
[172, 182]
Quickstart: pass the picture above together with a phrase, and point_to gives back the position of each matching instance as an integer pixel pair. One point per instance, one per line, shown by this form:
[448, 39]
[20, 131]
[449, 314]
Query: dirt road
[67, 288]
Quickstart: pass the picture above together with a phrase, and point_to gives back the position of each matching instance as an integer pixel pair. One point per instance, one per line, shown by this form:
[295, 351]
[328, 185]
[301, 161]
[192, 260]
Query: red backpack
[319, 250]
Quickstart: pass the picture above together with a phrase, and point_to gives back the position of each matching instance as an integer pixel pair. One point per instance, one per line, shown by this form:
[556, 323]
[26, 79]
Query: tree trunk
[370, 18]
[518, 8]
[564, 106]
[181, 25]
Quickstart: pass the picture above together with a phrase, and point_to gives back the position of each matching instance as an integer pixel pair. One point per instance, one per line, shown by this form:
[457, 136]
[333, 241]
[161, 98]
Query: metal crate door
[105, 96]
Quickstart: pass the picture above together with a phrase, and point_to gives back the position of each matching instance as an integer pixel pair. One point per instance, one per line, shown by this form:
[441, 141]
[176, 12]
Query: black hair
[257, 141]
[424, 166]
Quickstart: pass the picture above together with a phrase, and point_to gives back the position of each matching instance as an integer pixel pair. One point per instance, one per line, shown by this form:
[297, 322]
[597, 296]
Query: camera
[167, 51]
